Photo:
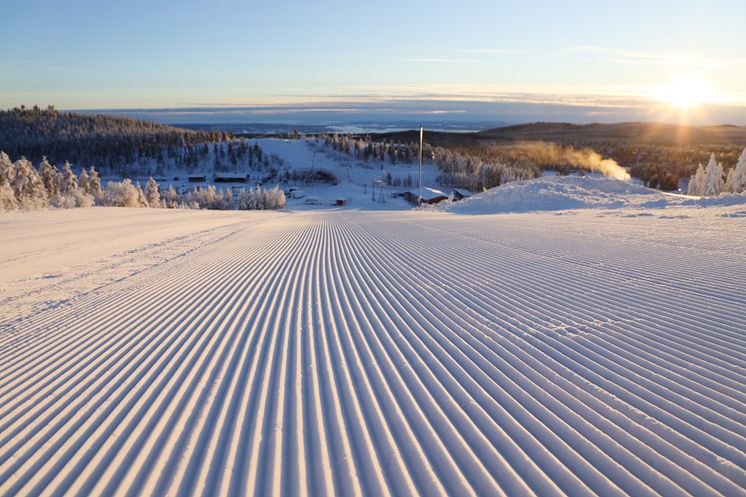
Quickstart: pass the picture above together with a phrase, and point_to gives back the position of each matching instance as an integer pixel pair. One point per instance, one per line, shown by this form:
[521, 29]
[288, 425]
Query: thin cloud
[656, 58]
[438, 60]
[489, 51]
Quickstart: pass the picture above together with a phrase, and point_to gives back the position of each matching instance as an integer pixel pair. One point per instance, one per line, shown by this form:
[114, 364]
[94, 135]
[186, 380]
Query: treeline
[712, 180]
[473, 168]
[477, 169]
[659, 154]
[126, 194]
[367, 150]
[104, 140]
[23, 186]
[26, 187]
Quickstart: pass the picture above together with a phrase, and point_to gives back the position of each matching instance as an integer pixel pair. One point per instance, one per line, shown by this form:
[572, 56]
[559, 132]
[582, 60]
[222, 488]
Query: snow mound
[723, 200]
[559, 193]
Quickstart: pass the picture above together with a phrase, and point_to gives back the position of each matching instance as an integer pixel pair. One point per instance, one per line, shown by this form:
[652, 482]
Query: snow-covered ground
[558, 193]
[355, 177]
[347, 352]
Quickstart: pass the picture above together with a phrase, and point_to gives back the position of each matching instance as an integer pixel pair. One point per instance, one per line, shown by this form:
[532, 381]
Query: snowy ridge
[397, 353]
[554, 193]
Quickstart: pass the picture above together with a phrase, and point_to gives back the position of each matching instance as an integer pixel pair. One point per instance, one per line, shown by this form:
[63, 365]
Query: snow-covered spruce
[22, 186]
[253, 199]
[709, 181]
[736, 182]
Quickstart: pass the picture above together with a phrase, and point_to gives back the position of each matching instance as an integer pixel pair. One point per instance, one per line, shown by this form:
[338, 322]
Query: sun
[686, 92]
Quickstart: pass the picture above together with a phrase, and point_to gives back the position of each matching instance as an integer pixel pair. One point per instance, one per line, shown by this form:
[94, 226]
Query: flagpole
[419, 199]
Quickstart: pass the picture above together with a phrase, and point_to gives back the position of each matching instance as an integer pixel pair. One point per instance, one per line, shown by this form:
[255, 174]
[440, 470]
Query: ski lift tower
[381, 189]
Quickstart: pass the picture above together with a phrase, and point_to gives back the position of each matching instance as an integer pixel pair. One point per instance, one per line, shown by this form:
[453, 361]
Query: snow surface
[345, 352]
[554, 193]
[355, 177]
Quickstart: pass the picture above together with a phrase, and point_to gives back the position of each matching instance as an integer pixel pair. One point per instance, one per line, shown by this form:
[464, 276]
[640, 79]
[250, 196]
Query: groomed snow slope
[373, 353]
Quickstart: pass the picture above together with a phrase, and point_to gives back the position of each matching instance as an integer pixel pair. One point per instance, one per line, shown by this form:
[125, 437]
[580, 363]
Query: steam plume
[548, 154]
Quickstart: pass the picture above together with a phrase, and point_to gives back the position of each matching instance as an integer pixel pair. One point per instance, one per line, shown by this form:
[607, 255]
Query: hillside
[90, 138]
[659, 154]
[630, 133]
[623, 133]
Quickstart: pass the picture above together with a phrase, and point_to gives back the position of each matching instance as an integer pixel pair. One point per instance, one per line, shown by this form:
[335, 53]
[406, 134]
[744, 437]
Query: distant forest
[659, 154]
[86, 139]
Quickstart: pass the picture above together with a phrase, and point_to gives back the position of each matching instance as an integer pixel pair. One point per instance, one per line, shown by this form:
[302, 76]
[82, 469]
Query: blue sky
[592, 60]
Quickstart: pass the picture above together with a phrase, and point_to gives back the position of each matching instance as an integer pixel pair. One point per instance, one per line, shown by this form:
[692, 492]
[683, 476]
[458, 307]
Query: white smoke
[550, 153]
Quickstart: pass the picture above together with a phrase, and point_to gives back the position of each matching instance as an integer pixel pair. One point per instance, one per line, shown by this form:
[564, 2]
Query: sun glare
[686, 92]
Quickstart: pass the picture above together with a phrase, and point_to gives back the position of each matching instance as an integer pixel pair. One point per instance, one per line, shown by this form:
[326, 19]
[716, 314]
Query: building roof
[231, 175]
[429, 193]
[463, 192]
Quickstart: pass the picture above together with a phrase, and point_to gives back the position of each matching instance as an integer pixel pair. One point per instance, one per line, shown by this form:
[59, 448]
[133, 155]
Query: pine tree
[259, 198]
[737, 177]
[251, 201]
[171, 196]
[713, 180]
[69, 182]
[152, 195]
[27, 186]
[95, 183]
[50, 177]
[84, 182]
[142, 201]
[8, 200]
[696, 182]
[7, 170]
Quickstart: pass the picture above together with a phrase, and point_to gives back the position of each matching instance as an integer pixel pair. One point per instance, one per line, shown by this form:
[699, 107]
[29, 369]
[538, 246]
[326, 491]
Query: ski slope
[344, 352]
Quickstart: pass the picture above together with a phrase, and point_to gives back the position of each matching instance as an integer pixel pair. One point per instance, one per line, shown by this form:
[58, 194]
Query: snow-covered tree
[152, 195]
[94, 182]
[68, 182]
[204, 197]
[261, 199]
[243, 199]
[280, 200]
[171, 197]
[50, 177]
[210, 198]
[253, 200]
[713, 181]
[697, 181]
[8, 200]
[69, 192]
[227, 200]
[27, 186]
[274, 198]
[7, 170]
[114, 142]
[121, 194]
[259, 196]
[84, 182]
[141, 200]
[736, 182]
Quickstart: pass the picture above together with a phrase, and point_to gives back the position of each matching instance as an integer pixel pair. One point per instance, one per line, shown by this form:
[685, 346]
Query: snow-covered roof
[463, 192]
[429, 193]
[231, 175]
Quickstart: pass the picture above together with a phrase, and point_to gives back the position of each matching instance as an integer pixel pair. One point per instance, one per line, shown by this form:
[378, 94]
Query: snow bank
[556, 193]
[563, 193]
